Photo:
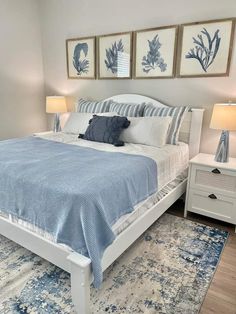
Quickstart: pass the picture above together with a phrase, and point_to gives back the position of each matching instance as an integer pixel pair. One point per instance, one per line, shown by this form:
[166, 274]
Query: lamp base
[57, 123]
[222, 152]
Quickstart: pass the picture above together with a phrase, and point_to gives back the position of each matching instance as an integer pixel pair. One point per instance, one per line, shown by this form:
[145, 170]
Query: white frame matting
[78, 265]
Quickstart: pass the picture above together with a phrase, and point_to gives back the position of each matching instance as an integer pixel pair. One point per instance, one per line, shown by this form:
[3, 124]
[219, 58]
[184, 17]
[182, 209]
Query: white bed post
[80, 282]
[195, 131]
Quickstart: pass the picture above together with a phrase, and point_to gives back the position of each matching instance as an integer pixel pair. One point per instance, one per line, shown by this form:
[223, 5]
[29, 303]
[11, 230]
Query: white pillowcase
[150, 131]
[78, 121]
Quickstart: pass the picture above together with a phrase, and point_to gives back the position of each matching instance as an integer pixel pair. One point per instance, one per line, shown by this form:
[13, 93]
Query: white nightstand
[211, 189]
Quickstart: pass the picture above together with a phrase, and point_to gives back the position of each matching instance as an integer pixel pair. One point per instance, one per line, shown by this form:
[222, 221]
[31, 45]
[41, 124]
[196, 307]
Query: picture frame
[114, 55]
[155, 52]
[205, 48]
[81, 58]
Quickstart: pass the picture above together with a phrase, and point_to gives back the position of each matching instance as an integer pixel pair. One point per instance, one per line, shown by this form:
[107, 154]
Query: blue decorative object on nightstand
[222, 152]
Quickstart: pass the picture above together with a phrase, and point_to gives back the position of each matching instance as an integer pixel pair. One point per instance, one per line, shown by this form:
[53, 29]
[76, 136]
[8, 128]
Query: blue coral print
[112, 55]
[153, 58]
[80, 64]
[206, 48]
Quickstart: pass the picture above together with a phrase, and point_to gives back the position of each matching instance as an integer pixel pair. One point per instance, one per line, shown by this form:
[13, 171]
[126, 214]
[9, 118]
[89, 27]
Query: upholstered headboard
[191, 128]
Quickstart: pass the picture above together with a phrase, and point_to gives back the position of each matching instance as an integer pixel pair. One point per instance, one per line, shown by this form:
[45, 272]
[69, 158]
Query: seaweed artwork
[82, 66]
[112, 55]
[206, 48]
[153, 58]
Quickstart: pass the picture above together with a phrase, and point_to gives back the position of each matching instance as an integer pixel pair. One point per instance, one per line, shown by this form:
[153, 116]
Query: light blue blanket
[74, 193]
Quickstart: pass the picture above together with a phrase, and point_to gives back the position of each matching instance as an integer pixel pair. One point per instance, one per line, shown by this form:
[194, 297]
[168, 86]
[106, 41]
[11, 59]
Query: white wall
[62, 19]
[22, 109]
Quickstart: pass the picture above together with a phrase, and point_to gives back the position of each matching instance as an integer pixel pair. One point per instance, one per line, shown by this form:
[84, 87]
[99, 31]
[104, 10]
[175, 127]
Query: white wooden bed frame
[78, 265]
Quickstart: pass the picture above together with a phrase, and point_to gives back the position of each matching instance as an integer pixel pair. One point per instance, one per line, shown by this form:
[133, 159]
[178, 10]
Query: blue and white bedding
[68, 191]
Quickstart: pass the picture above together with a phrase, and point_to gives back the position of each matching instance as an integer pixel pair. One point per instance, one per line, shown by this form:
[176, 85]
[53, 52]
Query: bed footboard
[78, 265]
[81, 277]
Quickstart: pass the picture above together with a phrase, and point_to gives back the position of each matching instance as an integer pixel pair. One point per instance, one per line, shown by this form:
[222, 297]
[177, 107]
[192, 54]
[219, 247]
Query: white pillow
[78, 121]
[150, 131]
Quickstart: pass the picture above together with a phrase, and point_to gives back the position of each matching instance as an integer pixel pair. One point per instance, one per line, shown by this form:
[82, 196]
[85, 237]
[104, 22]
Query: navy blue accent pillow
[106, 129]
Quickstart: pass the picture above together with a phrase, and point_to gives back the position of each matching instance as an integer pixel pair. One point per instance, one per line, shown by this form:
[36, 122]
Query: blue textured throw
[74, 193]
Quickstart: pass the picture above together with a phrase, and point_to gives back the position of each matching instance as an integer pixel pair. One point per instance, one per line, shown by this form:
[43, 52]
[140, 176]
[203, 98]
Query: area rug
[167, 270]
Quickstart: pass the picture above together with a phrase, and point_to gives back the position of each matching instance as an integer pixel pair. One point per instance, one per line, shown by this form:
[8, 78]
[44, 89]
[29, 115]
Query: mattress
[172, 162]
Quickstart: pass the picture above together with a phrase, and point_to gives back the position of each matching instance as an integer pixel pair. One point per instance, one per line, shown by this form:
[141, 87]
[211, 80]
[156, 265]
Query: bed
[172, 184]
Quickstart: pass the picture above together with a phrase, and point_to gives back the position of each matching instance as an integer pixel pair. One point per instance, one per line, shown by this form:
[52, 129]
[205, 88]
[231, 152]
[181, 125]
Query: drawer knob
[212, 196]
[217, 171]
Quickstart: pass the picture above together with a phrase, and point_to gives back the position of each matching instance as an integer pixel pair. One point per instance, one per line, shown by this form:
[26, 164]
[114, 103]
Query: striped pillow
[177, 114]
[92, 106]
[127, 109]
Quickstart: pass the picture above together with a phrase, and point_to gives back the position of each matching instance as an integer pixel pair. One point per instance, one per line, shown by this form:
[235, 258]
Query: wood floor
[221, 295]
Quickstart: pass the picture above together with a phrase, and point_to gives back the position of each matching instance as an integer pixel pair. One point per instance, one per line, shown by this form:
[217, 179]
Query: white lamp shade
[224, 117]
[55, 104]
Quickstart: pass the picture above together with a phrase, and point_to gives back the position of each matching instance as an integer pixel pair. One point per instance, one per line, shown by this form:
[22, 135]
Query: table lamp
[57, 105]
[223, 118]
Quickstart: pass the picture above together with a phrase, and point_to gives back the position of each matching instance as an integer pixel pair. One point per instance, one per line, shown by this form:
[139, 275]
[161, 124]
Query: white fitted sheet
[172, 162]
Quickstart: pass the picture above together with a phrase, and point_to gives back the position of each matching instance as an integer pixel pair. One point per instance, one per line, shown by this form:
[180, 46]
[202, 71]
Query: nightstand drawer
[223, 180]
[214, 205]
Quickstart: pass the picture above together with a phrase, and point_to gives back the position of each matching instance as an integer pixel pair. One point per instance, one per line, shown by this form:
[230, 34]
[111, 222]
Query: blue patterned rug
[166, 271]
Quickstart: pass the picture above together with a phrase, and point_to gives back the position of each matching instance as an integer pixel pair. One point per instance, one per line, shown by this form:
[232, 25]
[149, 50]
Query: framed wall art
[155, 52]
[205, 48]
[114, 55]
[81, 58]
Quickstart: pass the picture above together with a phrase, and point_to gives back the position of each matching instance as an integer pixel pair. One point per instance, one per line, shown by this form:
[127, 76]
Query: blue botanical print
[81, 65]
[112, 56]
[153, 58]
[206, 48]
